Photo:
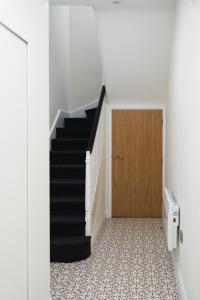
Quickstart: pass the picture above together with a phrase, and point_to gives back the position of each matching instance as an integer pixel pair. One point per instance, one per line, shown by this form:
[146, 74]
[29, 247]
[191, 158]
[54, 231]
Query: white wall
[135, 49]
[183, 141]
[75, 65]
[85, 63]
[30, 20]
[13, 170]
[59, 59]
[135, 54]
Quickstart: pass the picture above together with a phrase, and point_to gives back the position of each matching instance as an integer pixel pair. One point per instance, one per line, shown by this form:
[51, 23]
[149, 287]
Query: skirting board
[179, 280]
[58, 122]
[61, 114]
[80, 112]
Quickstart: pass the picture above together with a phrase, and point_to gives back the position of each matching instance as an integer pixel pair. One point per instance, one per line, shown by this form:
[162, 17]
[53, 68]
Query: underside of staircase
[67, 190]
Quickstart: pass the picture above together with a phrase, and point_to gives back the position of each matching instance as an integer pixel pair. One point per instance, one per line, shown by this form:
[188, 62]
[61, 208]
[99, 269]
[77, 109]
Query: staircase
[67, 190]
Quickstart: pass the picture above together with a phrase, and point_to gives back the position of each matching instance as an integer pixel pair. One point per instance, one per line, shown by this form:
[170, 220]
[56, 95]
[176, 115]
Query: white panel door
[13, 166]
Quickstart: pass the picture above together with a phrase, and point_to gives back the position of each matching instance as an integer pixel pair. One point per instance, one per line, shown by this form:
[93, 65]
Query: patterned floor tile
[129, 261]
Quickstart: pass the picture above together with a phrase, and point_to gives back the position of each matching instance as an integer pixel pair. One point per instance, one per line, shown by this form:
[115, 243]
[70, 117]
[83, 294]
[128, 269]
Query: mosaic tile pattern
[129, 261]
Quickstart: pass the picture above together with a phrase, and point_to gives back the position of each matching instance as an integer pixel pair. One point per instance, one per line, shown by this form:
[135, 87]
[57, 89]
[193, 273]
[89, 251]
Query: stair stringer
[93, 165]
[98, 213]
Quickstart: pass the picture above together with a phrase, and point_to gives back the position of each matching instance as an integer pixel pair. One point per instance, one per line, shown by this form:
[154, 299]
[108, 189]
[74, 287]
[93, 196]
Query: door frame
[15, 34]
[109, 150]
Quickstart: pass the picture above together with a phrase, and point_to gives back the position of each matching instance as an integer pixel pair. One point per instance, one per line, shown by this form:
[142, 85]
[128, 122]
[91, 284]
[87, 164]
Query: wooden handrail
[96, 120]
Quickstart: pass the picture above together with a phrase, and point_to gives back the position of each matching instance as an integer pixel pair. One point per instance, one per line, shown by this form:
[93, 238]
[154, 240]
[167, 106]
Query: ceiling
[124, 4]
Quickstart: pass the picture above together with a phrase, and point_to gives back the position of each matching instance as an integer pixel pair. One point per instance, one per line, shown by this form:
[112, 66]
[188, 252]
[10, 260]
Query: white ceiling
[124, 4]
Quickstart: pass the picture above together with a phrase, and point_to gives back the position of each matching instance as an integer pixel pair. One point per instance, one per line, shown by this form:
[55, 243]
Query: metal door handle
[117, 157]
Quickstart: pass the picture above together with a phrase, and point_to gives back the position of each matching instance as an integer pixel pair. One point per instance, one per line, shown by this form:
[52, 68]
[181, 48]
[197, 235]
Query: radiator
[170, 219]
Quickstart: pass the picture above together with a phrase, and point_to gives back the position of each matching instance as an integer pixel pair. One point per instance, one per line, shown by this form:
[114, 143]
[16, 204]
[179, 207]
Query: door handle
[117, 157]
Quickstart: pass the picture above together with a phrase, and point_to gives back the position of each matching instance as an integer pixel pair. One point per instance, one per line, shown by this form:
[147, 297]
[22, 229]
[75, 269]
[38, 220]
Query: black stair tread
[67, 181]
[68, 151]
[91, 109]
[70, 240]
[66, 199]
[69, 144]
[91, 113]
[68, 166]
[73, 133]
[71, 139]
[79, 122]
[82, 120]
[67, 157]
[69, 170]
[77, 119]
[74, 128]
[68, 218]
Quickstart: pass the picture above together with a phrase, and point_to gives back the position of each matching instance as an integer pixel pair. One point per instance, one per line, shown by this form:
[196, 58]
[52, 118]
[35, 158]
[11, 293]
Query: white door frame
[24, 212]
[18, 19]
[131, 107]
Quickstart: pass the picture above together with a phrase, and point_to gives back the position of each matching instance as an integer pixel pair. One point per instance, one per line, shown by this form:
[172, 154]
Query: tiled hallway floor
[129, 261]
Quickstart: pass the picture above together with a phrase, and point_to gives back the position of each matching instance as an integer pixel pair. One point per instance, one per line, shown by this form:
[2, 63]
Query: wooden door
[137, 163]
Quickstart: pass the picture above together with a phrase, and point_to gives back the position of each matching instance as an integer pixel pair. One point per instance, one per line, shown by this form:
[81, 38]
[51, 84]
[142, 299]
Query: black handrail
[96, 120]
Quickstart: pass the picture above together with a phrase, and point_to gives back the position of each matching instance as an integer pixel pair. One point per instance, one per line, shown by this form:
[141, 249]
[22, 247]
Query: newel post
[88, 195]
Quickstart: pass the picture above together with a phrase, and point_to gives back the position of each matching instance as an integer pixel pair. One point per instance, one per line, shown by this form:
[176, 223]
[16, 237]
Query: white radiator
[170, 219]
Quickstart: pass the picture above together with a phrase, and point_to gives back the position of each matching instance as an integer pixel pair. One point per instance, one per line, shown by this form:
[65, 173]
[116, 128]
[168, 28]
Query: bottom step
[70, 249]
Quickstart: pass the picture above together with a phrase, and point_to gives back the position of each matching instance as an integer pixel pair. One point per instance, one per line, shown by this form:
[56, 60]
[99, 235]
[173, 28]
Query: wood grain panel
[137, 173]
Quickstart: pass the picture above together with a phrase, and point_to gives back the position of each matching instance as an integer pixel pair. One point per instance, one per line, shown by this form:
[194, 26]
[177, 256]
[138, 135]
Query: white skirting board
[179, 280]
[58, 122]
[80, 112]
[61, 114]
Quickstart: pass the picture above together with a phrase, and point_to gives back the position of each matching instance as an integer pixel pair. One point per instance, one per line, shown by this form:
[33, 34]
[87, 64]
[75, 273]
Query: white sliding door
[13, 166]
